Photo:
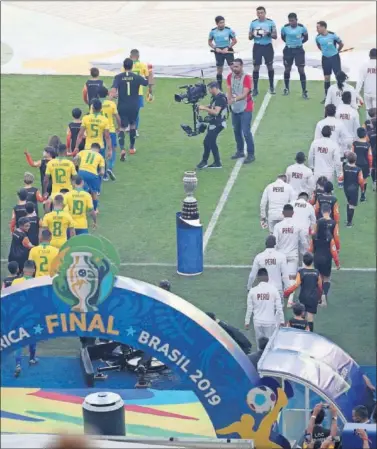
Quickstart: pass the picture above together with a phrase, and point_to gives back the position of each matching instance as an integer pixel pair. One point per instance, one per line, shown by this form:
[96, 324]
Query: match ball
[261, 399]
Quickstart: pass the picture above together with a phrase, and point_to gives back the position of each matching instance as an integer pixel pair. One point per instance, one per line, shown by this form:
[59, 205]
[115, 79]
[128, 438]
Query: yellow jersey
[61, 171]
[95, 124]
[109, 109]
[58, 222]
[91, 161]
[78, 204]
[43, 256]
[140, 68]
[21, 280]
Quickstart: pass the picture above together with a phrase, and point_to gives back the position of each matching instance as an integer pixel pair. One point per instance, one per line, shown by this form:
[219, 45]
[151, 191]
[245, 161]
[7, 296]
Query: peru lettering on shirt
[290, 238]
[300, 177]
[339, 133]
[367, 79]
[349, 117]
[324, 157]
[274, 197]
[304, 214]
[275, 263]
[264, 302]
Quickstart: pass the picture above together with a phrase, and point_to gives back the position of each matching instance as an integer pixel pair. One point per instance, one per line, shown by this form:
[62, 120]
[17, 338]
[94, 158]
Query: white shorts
[272, 223]
[263, 330]
[292, 267]
[370, 101]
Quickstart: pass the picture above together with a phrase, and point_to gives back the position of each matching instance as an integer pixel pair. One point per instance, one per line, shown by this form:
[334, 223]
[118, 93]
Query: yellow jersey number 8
[57, 229]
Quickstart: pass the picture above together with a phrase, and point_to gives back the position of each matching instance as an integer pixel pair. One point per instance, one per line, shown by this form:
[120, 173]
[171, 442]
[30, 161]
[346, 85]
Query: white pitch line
[233, 176]
[210, 266]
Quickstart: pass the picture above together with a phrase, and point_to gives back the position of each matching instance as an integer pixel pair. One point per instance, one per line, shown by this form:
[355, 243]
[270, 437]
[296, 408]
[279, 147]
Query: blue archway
[73, 303]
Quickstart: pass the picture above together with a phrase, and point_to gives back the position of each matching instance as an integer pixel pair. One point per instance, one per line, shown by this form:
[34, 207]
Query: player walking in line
[299, 320]
[304, 214]
[239, 86]
[348, 115]
[264, 303]
[353, 179]
[299, 176]
[327, 197]
[91, 169]
[58, 222]
[96, 128]
[21, 245]
[294, 35]
[291, 240]
[323, 247]
[44, 254]
[371, 127]
[109, 110]
[126, 87]
[79, 204]
[274, 197]
[222, 39]
[262, 31]
[339, 133]
[90, 90]
[61, 171]
[335, 92]
[367, 79]
[364, 161]
[330, 45]
[145, 70]
[324, 156]
[309, 280]
[274, 262]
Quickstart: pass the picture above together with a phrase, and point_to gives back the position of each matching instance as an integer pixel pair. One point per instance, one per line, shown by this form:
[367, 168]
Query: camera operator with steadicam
[217, 116]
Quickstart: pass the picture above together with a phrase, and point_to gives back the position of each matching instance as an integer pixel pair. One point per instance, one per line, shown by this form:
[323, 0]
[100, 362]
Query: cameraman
[217, 115]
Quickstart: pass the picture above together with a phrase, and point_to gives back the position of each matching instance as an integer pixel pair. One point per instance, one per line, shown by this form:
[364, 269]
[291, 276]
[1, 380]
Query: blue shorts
[92, 183]
[81, 231]
[141, 101]
[114, 142]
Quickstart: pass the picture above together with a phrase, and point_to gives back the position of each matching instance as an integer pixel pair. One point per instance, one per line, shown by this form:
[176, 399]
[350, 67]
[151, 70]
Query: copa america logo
[86, 269]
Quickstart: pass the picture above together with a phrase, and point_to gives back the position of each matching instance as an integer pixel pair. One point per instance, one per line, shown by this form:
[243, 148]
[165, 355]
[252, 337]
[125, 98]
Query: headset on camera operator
[216, 119]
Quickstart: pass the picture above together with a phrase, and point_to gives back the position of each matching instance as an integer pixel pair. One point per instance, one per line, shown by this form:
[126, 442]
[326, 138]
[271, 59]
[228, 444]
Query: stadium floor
[137, 212]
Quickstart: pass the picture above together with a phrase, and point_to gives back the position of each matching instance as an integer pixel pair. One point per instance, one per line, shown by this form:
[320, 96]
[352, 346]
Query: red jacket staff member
[239, 87]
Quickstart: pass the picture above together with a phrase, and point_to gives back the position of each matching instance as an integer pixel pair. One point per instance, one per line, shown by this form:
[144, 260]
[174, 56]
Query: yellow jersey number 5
[94, 130]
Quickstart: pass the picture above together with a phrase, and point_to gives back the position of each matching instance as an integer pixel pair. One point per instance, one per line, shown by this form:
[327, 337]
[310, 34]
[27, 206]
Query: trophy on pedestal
[189, 231]
[190, 204]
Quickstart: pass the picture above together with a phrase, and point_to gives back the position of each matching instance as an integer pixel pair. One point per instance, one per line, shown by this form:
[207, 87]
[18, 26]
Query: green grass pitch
[137, 212]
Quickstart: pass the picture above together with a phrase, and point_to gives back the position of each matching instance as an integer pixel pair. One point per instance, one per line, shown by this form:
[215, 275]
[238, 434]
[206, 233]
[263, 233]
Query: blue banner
[86, 298]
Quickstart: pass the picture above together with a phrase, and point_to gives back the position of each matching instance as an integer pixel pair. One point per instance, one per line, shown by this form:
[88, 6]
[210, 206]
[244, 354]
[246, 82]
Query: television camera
[194, 93]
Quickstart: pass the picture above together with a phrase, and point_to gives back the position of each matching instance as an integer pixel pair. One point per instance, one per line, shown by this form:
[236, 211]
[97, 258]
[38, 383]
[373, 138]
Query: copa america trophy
[190, 204]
